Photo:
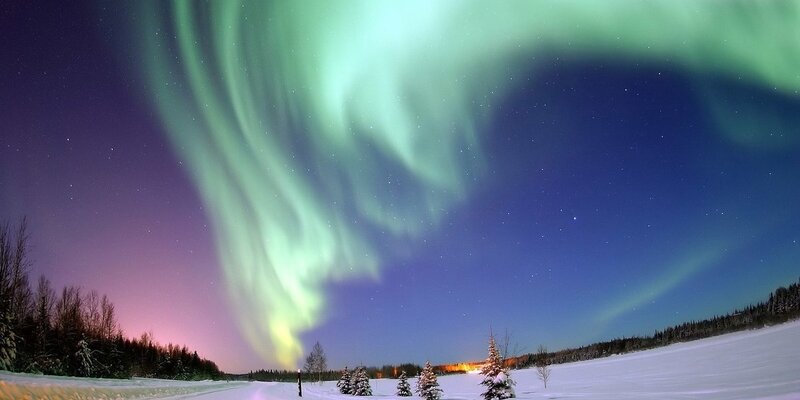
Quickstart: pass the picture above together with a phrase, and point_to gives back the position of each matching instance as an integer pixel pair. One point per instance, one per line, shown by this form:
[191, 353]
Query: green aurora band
[313, 127]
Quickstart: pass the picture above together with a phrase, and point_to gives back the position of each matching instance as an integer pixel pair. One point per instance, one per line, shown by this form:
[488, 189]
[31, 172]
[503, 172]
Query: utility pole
[299, 384]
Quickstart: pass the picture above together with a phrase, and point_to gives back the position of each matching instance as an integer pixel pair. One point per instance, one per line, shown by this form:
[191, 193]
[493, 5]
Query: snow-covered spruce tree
[353, 380]
[344, 382]
[403, 388]
[496, 379]
[8, 342]
[362, 383]
[85, 359]
[427, 386]
[418, 384]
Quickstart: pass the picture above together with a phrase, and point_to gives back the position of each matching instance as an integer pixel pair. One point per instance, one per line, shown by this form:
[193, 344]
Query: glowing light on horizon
[313, 128]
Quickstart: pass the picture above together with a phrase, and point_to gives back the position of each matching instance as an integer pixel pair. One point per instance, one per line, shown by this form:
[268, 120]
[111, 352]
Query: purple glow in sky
[567, 195]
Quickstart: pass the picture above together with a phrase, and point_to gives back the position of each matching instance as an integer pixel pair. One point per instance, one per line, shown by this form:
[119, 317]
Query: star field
[247, 178]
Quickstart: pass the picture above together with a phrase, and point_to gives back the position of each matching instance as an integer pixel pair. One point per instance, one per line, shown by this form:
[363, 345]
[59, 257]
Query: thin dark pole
[299, 384]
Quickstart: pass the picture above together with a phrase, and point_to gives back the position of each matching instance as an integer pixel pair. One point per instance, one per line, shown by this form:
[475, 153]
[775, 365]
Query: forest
[75, 332]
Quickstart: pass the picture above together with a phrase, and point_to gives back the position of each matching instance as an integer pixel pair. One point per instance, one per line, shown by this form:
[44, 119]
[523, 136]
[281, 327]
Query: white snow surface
[757, 364]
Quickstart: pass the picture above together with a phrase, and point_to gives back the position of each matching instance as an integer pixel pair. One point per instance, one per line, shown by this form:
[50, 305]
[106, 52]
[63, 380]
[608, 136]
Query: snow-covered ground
[28, 386]
[759, 364]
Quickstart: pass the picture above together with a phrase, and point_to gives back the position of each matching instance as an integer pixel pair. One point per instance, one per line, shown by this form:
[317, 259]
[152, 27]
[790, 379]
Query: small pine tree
[362, 383]
[8, 342]
[180, 371]
[85, 359]
[403, 388]
[353, 380]
[344, 383]
[496, 379]
[427, 385]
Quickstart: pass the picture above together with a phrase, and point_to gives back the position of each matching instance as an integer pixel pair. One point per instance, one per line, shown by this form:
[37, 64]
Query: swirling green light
[309, 127]
[672, 274]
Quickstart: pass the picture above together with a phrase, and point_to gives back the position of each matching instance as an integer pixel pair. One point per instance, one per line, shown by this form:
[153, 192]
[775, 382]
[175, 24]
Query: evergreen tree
[44, 307]
[403, 388]
[498, 384]
[180, 370]
[8, 343]
[362, 387]
[354, 380]
[85, 359]
[427, 385]
[344, 383]
[116, 364]
[14, 293]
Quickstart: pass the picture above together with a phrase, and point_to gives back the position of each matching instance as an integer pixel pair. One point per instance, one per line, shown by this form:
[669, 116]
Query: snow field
[28, 386]
[757, 364]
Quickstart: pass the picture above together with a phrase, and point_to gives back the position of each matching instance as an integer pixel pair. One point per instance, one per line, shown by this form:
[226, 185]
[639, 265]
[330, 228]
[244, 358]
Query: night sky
[395, 180]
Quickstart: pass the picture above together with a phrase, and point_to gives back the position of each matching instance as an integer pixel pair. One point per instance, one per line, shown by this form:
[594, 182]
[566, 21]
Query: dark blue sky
[605, 181]
[618, 198]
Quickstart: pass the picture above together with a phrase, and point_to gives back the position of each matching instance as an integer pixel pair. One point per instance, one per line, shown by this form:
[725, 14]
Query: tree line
[75, 332]
[782, 305]
[277, 375]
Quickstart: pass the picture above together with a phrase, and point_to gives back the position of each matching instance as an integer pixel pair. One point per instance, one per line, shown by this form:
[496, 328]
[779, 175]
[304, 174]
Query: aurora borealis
[612, 167]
